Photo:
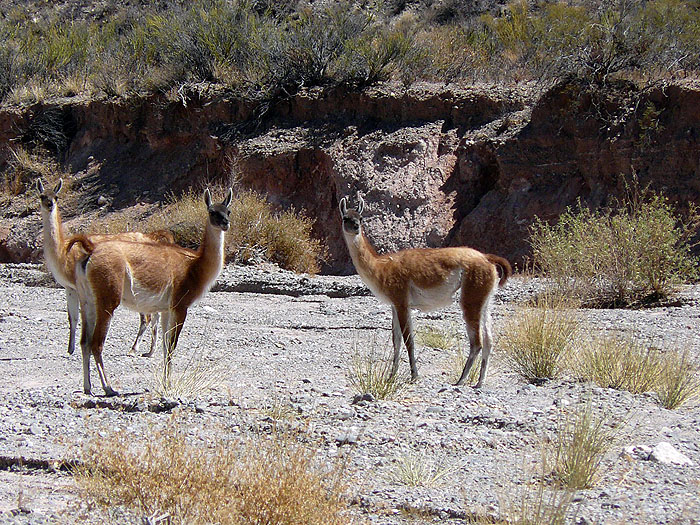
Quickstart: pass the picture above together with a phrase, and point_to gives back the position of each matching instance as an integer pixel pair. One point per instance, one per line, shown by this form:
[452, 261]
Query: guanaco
[427, 279]
[61, 261]
[148, 278]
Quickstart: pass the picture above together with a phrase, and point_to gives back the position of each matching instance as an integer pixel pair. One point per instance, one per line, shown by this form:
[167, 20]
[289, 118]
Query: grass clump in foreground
[419, 469]
[582, 441]
[537, 340]
[370, 373]
[269, 479]
[624, 364]
[606, 258]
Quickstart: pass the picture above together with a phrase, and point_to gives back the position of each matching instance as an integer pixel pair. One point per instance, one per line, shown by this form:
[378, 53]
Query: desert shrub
[618, 362]
[25, 167]
[370, 373]
[257, 232]
[678, 381]
[604, 257]
[583, 439]
[538, 338]
[260, 480]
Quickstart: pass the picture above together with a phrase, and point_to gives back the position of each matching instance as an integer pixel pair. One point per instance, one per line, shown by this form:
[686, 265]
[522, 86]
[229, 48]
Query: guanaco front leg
[405, 325]
[73, 306]
[171, 323]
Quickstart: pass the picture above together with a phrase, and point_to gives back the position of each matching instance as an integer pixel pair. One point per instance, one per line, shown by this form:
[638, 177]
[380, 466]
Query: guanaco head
[352, 217]
[48, 198]
[219, 213]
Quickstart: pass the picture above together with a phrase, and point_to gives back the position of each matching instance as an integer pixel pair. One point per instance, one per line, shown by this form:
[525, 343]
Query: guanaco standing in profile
[61, 261]
[149, 278]
[427, 279]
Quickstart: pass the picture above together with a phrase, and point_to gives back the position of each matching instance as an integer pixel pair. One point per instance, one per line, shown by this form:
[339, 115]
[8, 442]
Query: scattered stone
[666, 454]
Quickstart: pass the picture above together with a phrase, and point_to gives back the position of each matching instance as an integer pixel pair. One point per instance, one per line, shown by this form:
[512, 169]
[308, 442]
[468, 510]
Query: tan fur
[427, 279]
[146, 277]
[61, 257]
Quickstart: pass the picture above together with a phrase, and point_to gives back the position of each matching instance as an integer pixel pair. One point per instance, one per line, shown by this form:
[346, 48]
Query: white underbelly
[440, 296]
[376, 291]
[142, 299]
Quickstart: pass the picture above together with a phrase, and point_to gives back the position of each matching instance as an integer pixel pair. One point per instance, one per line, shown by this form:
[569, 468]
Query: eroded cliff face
[436, 165]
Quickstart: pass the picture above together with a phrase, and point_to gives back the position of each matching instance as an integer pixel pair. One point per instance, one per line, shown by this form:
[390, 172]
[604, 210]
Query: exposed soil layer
[436, 165]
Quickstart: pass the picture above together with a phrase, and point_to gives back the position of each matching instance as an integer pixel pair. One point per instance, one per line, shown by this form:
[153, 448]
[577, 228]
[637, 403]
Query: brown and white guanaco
[61, 262]
[146, 277]
[427, 279]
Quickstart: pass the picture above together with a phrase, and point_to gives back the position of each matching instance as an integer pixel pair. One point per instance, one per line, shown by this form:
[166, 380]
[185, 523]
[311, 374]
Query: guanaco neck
[362, 253]
[55, 244]
[210, 256]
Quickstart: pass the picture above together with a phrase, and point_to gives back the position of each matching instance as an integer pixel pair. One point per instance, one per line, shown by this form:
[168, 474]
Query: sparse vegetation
[603, 257]
[190, 377]
[266, 52]
[583, 438]
[370, 373]
[266, 479]
[539, 337]
[419, 469]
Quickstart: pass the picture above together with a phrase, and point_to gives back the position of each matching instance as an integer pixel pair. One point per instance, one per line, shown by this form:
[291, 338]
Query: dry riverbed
[281, 346]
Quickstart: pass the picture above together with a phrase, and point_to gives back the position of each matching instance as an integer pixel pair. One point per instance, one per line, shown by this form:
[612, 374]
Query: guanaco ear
[207, 198]
[343, 206]
[229, 197]
[39, 186]
[58, 187]
[360, 203]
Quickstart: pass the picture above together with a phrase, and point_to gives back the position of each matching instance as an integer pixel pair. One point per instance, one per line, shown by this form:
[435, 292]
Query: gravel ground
[285, 344]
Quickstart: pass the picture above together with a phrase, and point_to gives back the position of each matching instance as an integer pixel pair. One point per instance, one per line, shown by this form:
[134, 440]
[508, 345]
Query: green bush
[635, 252]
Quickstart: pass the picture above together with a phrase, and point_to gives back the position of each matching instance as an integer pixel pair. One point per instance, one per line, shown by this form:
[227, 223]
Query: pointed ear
[207, 198]
[343, 206]
[229, 197]
[58, 186]
[39, 186]
[360, 203]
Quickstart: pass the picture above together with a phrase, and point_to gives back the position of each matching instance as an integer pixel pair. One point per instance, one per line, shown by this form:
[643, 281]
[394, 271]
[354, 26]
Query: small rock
[362, 397]
[666, 454]
[350, 436]
[102, 200]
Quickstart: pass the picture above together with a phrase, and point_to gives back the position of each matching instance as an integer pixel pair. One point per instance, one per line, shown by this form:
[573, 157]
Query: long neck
[363, 254]
[210, 256]
[54, 240]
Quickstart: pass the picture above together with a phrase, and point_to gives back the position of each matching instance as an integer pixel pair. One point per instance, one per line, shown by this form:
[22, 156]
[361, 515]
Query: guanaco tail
[427, 279]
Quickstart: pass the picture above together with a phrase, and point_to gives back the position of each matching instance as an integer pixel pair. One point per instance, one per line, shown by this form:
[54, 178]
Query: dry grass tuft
[193, 377]
[263, 480]
[370, 373]
[619, 362]
[535, 503]
[25, 168]
[538, 338]
[582, 441]
[679, 380]
[419, 469]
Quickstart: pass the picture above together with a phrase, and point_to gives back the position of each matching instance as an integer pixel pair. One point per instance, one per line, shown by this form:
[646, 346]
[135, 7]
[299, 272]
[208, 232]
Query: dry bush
[194, 376]
[535, 502]
[619, 362]
[257, 232]
[26, 167]
[267, 479]
[679, 380]
[603, 257]
[370, 373]
[582, 441]
[538, 338]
